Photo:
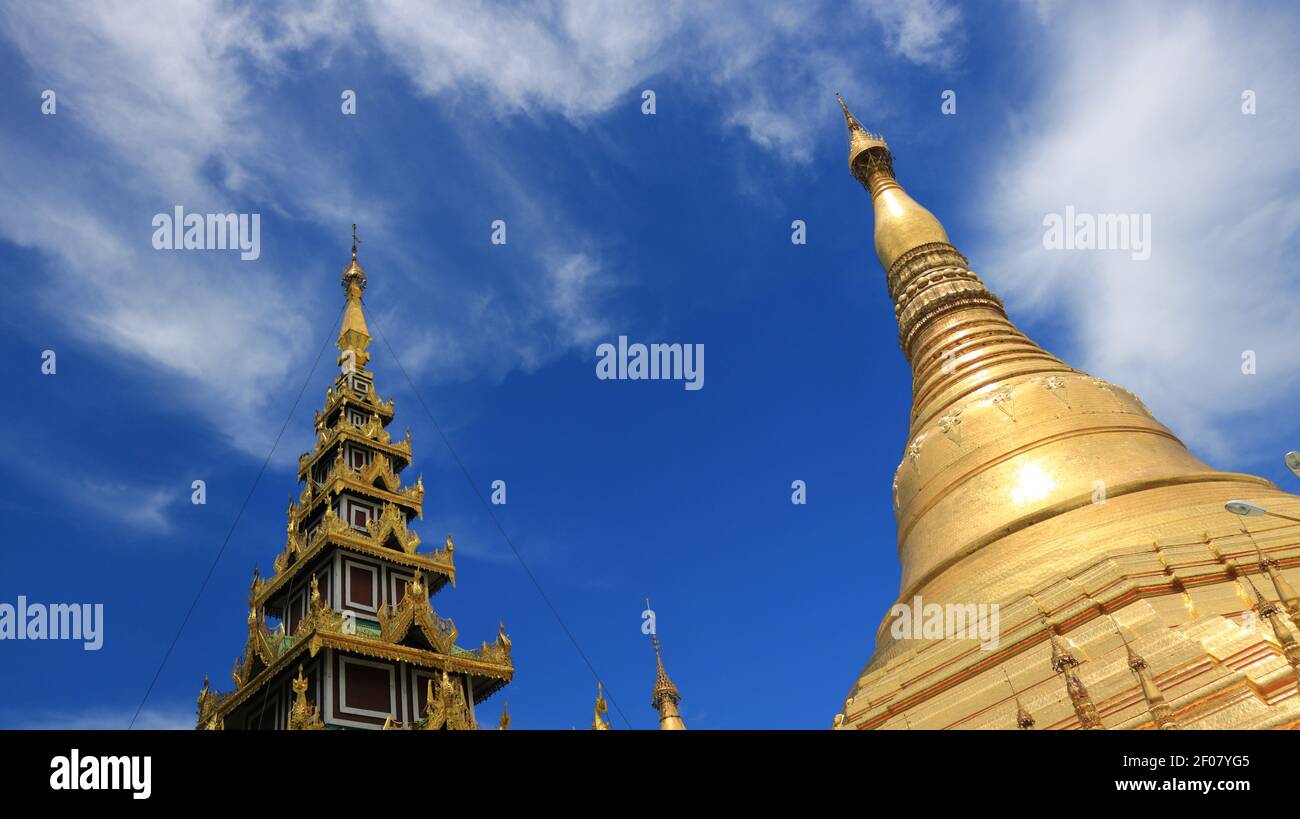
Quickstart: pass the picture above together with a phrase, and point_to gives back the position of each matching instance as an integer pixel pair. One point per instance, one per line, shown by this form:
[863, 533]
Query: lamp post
[1292, 461]
[1246, 509]
[1286, 594]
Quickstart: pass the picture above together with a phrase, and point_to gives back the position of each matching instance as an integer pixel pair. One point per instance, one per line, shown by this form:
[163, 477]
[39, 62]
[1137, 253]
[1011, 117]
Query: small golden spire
[902, 224]
[665, 696]
[1270, 612]
[598, 723]
[504, 724]
[1024, 720]
[354, 335]
[1162, 714]
[1286, 594]
[1065, 663]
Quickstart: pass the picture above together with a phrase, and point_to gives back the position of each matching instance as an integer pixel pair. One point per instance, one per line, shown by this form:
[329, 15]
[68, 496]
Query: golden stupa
[1127, 594]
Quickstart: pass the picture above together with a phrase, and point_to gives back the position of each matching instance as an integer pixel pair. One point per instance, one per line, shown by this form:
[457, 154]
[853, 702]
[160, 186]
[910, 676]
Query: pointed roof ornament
[354, 335]
[598, 722]
[665, 696]
[1024, 720]
[504, 724]
[303, 716]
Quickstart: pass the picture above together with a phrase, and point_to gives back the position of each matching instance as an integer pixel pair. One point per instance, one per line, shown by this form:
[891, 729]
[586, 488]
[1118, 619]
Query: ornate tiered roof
[403, 631]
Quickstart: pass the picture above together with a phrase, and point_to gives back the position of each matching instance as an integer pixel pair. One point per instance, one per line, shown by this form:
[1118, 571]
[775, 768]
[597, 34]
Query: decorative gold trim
[332, 530]
[345, 431]
[303, 717]
[469, 663]
[448, 709]
[414, 609]
[391, 524]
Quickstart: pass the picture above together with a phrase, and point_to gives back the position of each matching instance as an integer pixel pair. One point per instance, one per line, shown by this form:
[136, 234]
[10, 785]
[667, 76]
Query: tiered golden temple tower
[357, 643]
[1129, 596]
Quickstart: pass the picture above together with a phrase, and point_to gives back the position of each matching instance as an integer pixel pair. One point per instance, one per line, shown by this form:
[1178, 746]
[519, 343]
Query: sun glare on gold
[1032, 485]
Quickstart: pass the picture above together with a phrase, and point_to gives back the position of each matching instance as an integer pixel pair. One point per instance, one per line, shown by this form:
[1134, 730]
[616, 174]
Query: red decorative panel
[361, 585]
[366, 687]
[399, 588]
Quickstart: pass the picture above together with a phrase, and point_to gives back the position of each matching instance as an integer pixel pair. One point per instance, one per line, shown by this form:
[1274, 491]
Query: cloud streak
[167, 104]
[1130, 123]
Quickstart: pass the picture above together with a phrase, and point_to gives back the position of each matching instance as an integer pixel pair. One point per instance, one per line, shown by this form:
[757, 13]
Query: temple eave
[358, 644]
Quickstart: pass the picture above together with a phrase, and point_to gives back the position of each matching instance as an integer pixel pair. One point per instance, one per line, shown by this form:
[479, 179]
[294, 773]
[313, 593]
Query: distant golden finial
[602, 708]
[354, 335]
[504, 724]
[447, 544]
[665, 696]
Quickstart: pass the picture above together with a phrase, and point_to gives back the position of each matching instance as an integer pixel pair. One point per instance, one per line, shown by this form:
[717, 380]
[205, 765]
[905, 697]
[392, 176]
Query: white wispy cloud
[166, 105]
[1140, 112]
[771, 65]
[142, 507]
[137, 507]
[926, 32]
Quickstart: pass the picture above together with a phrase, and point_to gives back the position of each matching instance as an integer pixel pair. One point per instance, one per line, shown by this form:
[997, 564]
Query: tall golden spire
[665, 696]
[354, 335]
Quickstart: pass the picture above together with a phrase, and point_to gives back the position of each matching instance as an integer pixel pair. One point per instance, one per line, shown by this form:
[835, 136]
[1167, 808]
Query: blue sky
[666, 228]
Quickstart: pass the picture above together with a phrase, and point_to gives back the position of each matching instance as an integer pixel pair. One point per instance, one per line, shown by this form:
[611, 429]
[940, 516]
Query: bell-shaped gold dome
[1025, 480]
